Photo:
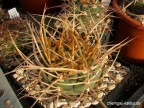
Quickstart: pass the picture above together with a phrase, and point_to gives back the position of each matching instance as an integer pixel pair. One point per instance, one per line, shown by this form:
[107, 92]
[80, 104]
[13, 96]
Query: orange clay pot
[37, 6]
[130, 29]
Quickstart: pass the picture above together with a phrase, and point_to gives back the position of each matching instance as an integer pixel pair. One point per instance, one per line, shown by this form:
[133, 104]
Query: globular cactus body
[65, 63]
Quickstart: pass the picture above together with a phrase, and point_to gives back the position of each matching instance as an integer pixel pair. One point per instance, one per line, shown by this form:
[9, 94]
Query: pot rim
[127, 18]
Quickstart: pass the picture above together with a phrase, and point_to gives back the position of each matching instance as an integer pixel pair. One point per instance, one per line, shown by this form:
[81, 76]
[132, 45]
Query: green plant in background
[66, 62]
[89, 13]
[134, 8]
[137, 7]
[89, 9]
[17, 28]
[3, 16]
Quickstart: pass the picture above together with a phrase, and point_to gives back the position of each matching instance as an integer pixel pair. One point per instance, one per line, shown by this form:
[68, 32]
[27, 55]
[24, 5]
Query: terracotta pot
[130, 29]
[37, 6]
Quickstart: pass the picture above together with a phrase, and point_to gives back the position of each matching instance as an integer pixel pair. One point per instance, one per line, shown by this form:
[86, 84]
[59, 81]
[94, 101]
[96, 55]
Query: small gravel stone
[102, 86]
[143, 22]
[20, 71]
[90, 98]
[106, 57]
[87, 104]
[106, 66]
[81, 107]
[111, 86]
[95, 102]
[111, 81]
[117, 64]
[44, 106]
[106, 75]
[62, 102]
[51, 105]
[15, 75]
[19, 78]
[23, 85]
[113, 68]
[59, 104]
[119, 77]
[106, 80]
[100, 94]
[74, 104]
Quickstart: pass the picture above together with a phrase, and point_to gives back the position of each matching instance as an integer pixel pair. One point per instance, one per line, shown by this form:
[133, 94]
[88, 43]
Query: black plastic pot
[137, 99]
[127, 87]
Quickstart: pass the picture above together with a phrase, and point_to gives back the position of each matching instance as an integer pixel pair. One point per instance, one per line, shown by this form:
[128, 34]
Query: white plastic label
[13, 13]
[106, 2]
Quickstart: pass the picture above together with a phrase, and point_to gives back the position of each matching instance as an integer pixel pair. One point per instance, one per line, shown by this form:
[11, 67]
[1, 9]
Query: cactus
[64, 63]
[16, 27]
[137, 7]
[91, 15]
[134, 9]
